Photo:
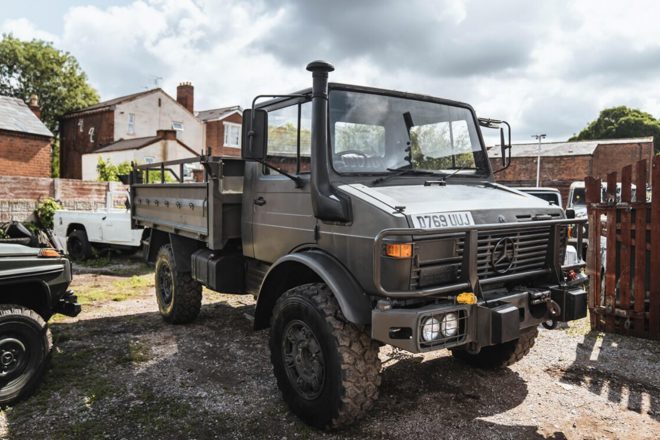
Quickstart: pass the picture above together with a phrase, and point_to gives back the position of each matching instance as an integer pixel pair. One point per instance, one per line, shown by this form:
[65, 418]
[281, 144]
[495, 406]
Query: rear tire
[77, 245]
[25, 343]
[178, 295]
[327, 368]
[500, 355]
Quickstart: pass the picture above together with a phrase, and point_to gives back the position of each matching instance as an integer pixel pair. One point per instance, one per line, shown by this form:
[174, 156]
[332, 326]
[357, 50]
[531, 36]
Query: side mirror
[255, 134]
[570, 213]
[505, 161]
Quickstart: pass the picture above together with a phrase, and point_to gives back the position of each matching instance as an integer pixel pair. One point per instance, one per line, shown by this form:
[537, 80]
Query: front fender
[309, 266]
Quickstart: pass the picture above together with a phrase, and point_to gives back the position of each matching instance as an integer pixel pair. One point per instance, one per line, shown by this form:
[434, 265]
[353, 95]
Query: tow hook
[537, 297]
[554, 311]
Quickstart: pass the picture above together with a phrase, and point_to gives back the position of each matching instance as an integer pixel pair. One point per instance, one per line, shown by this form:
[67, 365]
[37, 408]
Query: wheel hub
[165, 283]
[303, 360]
[12, 356]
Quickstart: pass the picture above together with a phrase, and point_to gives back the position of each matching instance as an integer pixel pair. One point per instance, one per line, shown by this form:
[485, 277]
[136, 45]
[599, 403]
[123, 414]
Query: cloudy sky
[545, 66]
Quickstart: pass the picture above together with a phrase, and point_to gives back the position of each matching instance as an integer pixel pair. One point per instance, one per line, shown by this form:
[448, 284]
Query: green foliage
[110, 173]
[36, 67]
[621, 122]
[55, 158]
[45, 212]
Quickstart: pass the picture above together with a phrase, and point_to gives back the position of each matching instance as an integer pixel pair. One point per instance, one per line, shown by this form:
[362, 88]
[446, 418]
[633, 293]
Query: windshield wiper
[402, 171]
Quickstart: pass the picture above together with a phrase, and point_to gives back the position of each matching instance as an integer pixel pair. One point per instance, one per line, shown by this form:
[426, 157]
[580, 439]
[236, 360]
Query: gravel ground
[118, 371]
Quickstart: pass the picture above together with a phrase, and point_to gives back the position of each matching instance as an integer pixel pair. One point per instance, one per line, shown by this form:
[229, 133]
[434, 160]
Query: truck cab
[360, 217]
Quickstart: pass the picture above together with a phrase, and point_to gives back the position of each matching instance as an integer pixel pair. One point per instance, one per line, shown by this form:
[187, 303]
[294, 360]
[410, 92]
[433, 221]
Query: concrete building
[135, 116]
[164, 146]
[25, 142]
[565, 162]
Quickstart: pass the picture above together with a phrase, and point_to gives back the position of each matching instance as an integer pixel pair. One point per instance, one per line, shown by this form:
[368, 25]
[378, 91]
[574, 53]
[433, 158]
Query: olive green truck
[359, 217]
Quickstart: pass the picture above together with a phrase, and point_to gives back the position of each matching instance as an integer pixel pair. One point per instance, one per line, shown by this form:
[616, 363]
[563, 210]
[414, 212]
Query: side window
[131, 123]
[289, 139]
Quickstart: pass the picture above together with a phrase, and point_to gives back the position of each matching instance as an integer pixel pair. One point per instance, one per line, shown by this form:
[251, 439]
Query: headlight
[449, 325]
[430, 329]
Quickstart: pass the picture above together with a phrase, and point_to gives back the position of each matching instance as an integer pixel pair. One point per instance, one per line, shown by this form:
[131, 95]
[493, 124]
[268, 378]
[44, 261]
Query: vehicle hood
[17, 250]
[482, 197]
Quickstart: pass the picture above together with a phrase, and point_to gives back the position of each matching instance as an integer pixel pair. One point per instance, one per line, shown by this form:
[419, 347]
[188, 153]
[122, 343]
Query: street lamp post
[538, 137]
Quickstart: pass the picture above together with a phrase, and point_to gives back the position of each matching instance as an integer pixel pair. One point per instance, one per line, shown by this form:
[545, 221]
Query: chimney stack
[34, 105]
[168, 135]
[185, 95]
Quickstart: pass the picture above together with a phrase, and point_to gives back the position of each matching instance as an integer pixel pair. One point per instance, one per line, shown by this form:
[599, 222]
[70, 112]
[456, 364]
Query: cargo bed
[209, 210]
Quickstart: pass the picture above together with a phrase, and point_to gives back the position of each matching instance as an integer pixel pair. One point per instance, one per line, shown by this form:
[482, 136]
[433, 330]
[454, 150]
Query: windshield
[578, 197]
[375, 134]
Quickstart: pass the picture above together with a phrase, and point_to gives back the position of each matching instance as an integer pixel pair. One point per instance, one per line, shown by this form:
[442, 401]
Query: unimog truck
[359, 217]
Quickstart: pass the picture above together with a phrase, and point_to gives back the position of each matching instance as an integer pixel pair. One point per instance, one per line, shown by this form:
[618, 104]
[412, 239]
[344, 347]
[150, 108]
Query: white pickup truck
[109, 227]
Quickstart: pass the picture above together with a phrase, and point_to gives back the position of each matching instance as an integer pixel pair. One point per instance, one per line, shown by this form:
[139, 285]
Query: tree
[110, 173]
[621, 122]
[37, 68]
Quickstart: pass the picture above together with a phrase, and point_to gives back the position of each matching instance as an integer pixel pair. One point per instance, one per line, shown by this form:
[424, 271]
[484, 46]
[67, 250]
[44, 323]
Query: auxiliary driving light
[449, 325]
[430, 329]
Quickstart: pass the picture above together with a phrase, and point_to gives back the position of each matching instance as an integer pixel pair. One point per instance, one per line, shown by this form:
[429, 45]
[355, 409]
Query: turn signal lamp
[49, 253]
[466, 298]
[399, 250]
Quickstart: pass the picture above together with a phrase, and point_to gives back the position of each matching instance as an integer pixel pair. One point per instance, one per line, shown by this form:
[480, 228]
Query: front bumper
[482, 324]
[68, 304]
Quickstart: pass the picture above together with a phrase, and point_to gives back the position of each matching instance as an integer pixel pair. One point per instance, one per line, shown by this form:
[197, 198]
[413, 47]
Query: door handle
[260, 201]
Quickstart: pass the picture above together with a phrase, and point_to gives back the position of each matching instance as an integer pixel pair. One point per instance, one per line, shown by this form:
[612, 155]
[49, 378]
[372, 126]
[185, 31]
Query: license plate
[442, 220]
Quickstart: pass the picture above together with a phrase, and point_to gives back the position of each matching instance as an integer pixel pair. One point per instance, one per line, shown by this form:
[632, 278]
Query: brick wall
[24, 155]
[19, 196]
[215, 136]
[612, 157]
[75, 139]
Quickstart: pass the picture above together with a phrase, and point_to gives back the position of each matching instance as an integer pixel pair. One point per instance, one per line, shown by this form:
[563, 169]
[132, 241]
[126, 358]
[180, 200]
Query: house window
[81, 123]
[232, 135]
[176, 125]
[131, 123]
[91, 134]
[149, 159]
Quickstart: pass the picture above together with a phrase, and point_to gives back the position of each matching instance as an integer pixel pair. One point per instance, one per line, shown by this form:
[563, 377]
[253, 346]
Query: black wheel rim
[13, 357]
[303, 360]
[165, 284]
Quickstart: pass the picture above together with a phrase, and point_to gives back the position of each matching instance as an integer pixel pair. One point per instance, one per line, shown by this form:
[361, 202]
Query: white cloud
[546, 67]
[24, 29]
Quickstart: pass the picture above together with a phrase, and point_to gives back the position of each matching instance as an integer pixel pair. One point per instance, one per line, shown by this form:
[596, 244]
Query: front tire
[77, 245]
[327, 368]
[178, 295]
[500, 355]
[25, 343]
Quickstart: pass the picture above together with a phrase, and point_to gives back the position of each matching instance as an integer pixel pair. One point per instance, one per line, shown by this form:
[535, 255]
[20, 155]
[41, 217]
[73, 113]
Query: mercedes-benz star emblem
[503, 255]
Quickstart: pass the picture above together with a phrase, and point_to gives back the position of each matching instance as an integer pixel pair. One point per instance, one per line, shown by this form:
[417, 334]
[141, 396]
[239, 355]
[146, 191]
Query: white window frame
[177, 125]
[131, 123]
[227, 142]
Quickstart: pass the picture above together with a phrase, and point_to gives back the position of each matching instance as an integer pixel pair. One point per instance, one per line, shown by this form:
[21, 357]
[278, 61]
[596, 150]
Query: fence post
[654, 288]
[592, 199]
[610, 260]
[626, 242]
[639, 284]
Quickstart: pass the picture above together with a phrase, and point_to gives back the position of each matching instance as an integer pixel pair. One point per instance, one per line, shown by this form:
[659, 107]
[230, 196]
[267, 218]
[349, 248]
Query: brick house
[164, 146]
[140, 116]
[565, 162]
[25, 142]
[135, 116]
[223, 130]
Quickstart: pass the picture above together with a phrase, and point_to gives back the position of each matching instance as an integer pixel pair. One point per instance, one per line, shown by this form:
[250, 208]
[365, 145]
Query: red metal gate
[624, 288]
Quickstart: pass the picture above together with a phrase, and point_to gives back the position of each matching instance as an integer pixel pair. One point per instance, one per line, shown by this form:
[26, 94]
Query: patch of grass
[119, 290]
[579, 328]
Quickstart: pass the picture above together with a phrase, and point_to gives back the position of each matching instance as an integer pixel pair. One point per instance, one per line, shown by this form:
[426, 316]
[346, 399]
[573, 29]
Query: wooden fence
[624, 265]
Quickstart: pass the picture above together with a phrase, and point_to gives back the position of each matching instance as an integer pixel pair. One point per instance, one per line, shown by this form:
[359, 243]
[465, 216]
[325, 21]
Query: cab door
[282, 215]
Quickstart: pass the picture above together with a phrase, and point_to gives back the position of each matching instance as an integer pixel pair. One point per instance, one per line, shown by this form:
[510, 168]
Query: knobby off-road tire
[327, 368]
[25, 344]
[179, 296]
[77, 245]
[501, 355]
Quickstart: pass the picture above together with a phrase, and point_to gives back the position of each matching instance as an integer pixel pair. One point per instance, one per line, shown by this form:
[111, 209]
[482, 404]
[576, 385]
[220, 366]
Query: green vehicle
[359, 217]
[33, 287]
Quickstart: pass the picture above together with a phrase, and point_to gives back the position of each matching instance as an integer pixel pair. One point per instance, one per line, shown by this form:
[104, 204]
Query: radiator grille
[524, 249]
